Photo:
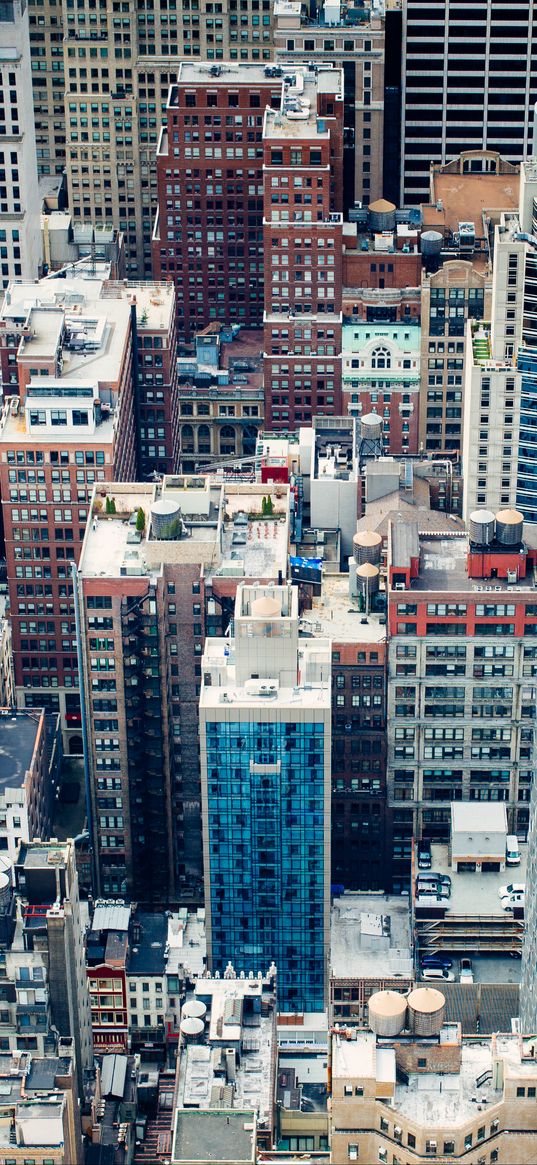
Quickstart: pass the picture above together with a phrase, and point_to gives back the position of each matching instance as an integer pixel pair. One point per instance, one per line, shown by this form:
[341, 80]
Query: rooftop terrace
[335, 615]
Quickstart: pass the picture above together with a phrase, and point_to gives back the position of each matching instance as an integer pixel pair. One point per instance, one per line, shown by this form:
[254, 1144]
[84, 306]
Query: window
[381, 358]
[353, 1152]
[449, 1147]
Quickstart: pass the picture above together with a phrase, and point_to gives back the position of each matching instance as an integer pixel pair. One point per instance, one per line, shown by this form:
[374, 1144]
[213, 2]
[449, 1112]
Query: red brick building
[208, 235]
[72, 424]
[250, 166]
[302, 231]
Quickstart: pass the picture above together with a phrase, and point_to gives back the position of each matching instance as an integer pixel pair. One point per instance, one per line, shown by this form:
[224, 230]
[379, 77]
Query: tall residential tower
[265, 772]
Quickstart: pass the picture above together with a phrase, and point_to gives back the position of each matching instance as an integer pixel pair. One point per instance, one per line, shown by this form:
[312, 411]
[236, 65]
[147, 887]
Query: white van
[437, 975]
[512, 851]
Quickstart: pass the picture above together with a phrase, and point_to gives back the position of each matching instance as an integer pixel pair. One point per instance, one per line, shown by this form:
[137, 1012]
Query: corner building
[265, 772]
[71, 426]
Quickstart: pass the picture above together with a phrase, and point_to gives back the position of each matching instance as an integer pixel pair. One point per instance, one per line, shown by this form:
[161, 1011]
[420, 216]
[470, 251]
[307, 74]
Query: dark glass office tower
[469, 82]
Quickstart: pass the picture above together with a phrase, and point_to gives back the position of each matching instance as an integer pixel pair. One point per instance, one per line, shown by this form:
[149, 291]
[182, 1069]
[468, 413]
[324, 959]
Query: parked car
[424, 855]
[436, 962]
[437, 974]
[428, 886]
[511, 888]
[432, 876]
[466, 973]
[512, 851]
[430, 897]
[513, 901]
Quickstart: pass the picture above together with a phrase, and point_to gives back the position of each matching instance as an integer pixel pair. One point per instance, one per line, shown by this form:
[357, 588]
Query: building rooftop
[370, 937]
[482, 1008]
[336, 450]
[443, 567]
[445, 1099]
[480, 819]
[239, 1049]
[44, 1071]
[473, 893]
[148, 944]
[258, 547]
[187, 943]
[402, 506]
[353, 1058]
[298, 115]
[18, 737]
[335, 615]
[224, 72]
[38, 1123]
[154, 303]
[113, 547]
[36, 855]
[469, 197]
[219, 1136]
[111, 916]
[221, 690]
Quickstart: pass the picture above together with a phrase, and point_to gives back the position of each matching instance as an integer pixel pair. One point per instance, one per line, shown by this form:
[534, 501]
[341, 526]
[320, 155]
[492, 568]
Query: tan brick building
[429, 1093]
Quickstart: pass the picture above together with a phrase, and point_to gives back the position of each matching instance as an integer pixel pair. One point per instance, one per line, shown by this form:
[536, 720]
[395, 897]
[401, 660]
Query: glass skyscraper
[265, 747]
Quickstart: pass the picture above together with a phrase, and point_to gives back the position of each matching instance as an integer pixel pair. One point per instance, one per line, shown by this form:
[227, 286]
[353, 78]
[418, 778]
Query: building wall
[143, 736]
[460, 102]
[226, 282]
[19, 199]
[44, 527]
[218, 422]
[108, 999]
[285, 868]
[359, 51]
[381, 373]
[302, 293]
[359, 765]
[457, 292]
[453, 664]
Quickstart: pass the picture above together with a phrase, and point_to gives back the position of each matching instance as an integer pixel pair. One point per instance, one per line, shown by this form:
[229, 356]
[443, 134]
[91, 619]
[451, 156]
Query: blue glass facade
[265, 799]
[526, 494]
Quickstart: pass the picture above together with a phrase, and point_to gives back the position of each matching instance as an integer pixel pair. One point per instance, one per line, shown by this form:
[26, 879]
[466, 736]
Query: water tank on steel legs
[371, 427]
[367, 579]
[367, 546]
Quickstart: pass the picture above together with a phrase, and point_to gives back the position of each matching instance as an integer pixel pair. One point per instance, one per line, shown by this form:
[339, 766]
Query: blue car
[436, 962]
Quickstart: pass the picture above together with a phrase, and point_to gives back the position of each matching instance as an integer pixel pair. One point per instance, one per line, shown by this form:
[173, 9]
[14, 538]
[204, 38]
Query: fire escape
[146, 757]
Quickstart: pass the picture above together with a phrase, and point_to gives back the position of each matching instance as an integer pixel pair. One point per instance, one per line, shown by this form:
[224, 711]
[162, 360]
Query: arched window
[227, 439]
[204, 439]
[187, 439]
[381, 358]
